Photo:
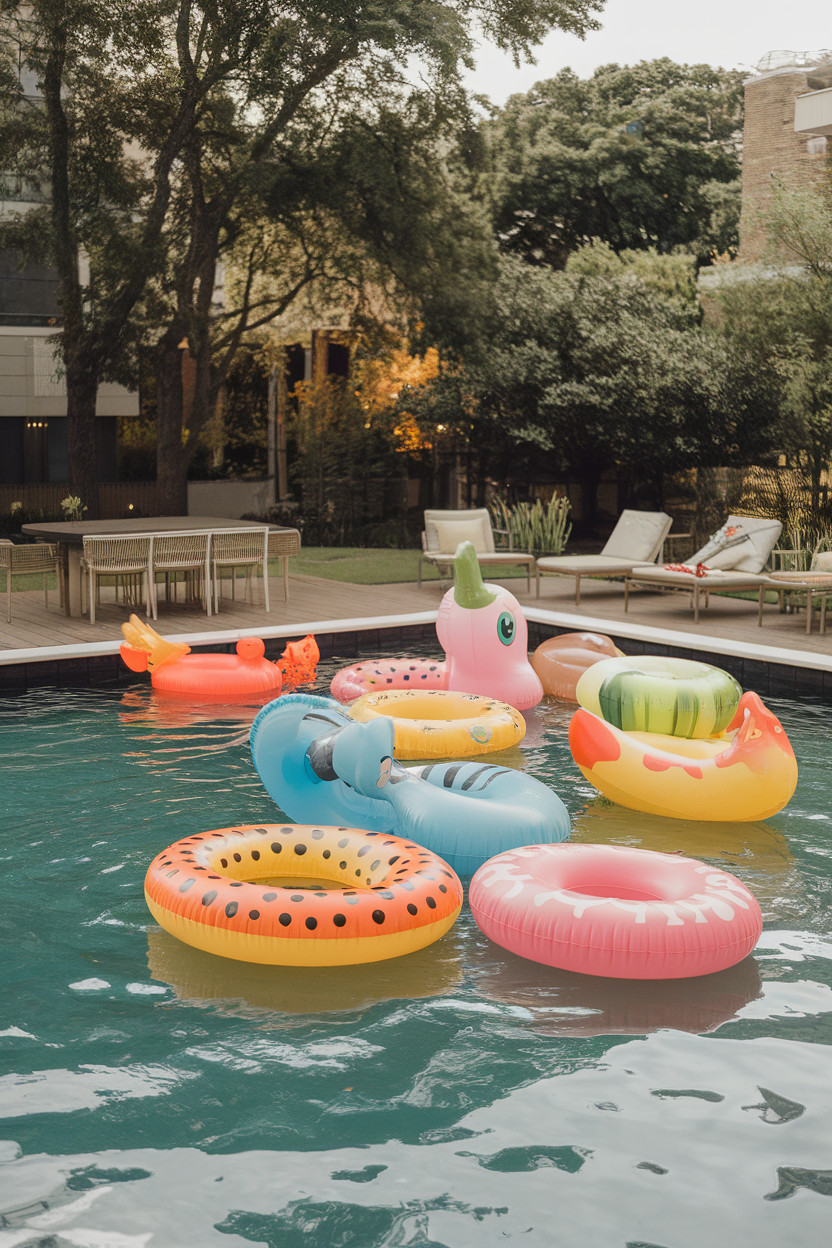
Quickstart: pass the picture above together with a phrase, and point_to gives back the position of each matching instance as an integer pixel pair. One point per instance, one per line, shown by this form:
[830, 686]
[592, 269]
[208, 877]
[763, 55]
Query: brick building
[772, 148]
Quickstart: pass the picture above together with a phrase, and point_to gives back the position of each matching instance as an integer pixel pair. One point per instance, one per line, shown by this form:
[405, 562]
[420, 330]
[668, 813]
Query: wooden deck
[728, 626]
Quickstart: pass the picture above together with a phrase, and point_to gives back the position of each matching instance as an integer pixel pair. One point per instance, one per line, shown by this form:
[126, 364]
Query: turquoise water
[153, 1095]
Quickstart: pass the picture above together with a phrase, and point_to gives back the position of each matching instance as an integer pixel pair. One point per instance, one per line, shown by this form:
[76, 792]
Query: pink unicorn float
[484, 635]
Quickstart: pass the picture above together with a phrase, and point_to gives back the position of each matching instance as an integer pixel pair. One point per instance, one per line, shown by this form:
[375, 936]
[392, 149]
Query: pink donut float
[374, 677]
[615, 911]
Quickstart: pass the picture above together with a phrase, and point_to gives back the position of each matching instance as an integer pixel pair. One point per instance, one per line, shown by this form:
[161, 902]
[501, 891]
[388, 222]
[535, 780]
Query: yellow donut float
[438, 723]
[345, 896]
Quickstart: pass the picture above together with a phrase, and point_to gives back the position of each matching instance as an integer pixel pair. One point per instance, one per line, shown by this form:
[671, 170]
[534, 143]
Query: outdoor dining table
[70, 534]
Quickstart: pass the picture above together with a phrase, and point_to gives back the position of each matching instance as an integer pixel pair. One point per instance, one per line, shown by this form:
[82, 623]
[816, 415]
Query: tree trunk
[81, 392]
[172, 457]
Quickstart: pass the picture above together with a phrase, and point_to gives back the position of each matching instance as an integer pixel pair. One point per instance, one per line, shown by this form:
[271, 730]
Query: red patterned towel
[700, 570]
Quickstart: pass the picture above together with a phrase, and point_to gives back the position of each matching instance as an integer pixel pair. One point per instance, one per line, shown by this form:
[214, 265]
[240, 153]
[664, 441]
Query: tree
[781, 318]
[637, 156]
[349, 212]
[670, 275]
[134, 92]
[603, 374]
[92, 67]
[305, 172]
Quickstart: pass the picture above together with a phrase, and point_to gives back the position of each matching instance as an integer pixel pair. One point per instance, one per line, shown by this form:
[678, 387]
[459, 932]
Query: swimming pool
[153, 1095]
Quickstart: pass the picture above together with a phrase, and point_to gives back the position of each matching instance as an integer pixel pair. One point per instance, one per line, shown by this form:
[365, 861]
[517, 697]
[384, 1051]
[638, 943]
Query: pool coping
[767, 669]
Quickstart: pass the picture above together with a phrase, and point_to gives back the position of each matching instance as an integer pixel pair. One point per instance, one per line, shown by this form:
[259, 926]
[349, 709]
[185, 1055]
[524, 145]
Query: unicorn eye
[506, 627]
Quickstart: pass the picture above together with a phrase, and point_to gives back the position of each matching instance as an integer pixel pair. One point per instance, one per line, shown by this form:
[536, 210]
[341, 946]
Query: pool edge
[769, 670]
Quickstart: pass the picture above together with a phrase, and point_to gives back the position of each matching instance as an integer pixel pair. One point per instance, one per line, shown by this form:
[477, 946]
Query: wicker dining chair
[189, 553]
[239, 548]
[283, 543]
[124, 559]
[25, 560]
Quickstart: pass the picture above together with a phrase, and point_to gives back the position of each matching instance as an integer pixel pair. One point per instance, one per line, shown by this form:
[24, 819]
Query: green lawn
[370, 566]
[33, 581]
[360, 566]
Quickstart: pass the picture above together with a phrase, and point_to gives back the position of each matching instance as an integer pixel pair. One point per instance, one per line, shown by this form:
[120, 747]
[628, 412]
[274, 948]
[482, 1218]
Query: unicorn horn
[469, 590]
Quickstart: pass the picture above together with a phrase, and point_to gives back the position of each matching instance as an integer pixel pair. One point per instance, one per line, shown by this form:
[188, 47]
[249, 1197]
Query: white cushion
[743, 544]
[637, 535]
[452, 532]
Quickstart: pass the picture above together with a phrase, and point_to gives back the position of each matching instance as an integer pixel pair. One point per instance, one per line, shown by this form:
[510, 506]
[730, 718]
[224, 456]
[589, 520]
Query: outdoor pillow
[734, 548]
[452, 532]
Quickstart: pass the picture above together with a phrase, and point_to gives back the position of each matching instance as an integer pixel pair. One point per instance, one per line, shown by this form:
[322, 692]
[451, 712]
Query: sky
[732, 34]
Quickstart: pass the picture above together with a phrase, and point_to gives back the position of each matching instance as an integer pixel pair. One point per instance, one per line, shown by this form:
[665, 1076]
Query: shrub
[540, 529]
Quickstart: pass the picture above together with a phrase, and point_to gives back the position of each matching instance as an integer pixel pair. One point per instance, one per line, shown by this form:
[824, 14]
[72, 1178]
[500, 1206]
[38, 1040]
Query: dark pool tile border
[98, 671]
[767, 679]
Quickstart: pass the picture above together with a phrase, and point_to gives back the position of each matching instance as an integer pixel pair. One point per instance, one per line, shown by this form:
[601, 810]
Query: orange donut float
[345, 896]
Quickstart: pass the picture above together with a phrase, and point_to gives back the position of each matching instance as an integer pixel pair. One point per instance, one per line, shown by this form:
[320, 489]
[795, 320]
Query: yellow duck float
[747, 773]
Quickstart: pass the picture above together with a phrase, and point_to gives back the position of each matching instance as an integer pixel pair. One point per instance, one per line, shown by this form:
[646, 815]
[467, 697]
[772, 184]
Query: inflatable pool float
[561, 661]
[247, 674]
[318, 763]
[484, 635]
[216, 891]
[299, 662]
[224, 677]
[614, 911]
[376, 675]
[747, 774]
[439, 723]
[651, 693]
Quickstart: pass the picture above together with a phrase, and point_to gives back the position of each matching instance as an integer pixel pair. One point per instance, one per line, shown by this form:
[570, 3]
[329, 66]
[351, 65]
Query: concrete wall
[31, 384]
[232, 499]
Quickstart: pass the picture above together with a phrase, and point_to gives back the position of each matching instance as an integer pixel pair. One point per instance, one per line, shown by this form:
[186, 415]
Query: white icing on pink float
[615, 911]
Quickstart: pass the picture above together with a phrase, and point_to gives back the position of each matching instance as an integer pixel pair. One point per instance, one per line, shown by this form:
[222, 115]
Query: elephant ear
[361, 754]
[469, 590]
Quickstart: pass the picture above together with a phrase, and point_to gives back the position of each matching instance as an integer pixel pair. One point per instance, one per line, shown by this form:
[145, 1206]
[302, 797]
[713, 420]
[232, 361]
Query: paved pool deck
[42, 646]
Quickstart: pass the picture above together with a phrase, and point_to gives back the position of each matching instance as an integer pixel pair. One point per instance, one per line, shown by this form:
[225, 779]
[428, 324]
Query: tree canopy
[637, 156]
[152, 123]
[605, 374]
[781, 318]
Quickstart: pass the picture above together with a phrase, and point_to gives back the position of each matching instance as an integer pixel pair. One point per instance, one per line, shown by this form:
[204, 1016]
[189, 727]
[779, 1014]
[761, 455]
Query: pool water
[153, 1095]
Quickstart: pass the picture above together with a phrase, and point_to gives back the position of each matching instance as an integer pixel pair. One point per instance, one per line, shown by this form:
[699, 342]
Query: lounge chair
[733, 559]
[444, 530]
[636, 539]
